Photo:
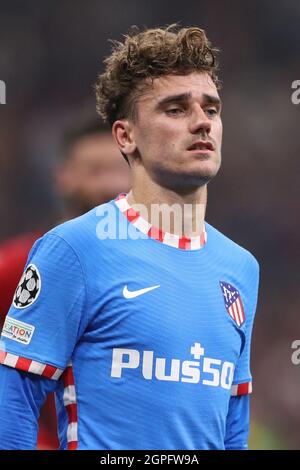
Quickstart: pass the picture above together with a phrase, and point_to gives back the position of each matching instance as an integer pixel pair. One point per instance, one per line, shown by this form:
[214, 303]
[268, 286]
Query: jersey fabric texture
[147, 341]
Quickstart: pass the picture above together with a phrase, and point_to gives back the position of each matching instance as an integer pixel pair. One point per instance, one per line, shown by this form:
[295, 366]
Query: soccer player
[140, 323]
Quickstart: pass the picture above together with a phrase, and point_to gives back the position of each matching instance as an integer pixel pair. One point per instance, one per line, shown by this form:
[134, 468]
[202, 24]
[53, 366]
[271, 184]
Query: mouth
[201, 146]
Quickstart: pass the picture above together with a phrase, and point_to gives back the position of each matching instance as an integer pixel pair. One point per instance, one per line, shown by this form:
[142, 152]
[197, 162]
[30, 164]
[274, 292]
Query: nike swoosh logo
[136, 293]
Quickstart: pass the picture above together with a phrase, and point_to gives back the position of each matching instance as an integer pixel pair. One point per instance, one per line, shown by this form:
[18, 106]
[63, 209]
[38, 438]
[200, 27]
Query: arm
[237, 424]
[39, 335]
[238, 416]
[21, 397]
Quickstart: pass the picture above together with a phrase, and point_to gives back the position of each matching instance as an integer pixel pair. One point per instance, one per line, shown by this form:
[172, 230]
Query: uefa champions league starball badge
[29, 287]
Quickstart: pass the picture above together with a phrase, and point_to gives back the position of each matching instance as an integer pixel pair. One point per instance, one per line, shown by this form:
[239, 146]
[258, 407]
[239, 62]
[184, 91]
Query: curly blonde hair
[150, 54]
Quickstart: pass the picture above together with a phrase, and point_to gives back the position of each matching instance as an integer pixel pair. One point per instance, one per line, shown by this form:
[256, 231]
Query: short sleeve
[46, 317]
[242, 380]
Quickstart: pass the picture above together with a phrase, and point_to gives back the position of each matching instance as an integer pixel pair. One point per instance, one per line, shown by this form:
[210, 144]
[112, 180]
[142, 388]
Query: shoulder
[230, 251]
[81, 232]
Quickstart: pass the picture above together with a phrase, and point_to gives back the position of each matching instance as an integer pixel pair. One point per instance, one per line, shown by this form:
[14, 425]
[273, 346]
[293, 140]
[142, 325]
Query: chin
[187, 180]
[197, 180]
[187, 176]
[204, 171]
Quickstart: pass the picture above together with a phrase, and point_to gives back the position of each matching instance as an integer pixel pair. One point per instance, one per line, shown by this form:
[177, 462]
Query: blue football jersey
[147, 335]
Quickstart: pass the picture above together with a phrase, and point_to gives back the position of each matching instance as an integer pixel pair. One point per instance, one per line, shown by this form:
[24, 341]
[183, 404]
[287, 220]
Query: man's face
[178, 130]
[93, 173]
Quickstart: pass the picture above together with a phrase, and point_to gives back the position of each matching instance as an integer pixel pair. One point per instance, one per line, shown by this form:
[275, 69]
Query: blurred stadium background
[50, 54]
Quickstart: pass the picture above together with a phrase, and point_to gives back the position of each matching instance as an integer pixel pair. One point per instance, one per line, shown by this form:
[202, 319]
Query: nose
[199, 121]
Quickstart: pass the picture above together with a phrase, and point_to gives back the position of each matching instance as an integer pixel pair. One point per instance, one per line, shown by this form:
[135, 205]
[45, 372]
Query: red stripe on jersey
[202, 238]
[184, 243]
[156, 234]
[2, 356]
[131, 215]
[72, 412]
[49, 371]
[71, 409]
[23, 363]
[68, 377]
[72, 445]
[243, 389]
[121, 196]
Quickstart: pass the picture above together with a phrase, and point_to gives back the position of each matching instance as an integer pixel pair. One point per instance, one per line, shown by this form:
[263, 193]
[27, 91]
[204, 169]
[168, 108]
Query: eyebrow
[211, 99]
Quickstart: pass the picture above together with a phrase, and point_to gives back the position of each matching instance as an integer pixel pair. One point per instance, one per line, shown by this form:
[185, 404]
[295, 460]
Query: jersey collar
[184, 243]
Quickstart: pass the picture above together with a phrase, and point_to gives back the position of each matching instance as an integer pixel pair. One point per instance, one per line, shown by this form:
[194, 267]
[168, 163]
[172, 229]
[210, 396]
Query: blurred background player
[90, 172]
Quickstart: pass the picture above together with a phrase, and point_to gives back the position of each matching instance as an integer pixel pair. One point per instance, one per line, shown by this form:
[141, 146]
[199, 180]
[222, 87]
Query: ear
[123, 133]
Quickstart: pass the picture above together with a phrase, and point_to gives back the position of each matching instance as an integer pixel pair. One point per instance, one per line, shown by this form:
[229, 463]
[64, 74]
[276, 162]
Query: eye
[211, 112]
[174, 111]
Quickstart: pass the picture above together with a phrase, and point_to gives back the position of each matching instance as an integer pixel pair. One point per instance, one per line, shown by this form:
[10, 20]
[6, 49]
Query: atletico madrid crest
[233, 303]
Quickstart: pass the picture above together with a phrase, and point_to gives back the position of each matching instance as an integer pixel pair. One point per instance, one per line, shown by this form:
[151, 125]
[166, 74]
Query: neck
[179, 213]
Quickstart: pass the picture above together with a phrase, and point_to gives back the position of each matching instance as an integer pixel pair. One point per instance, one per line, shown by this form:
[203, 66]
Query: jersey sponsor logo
[17, 330]
[233, 303]
[205, 370]
[136, 293]
[28, 288]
